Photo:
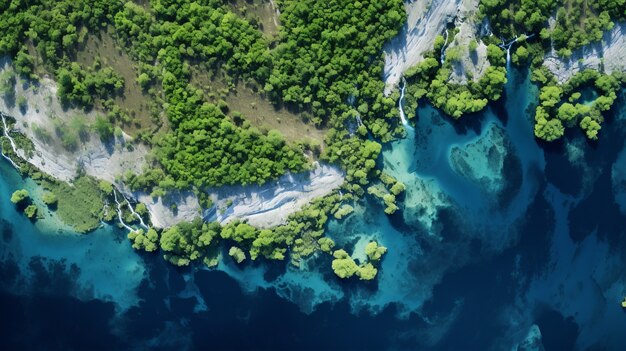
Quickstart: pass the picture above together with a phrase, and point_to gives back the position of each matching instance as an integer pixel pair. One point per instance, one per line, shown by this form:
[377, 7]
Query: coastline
[263, 206]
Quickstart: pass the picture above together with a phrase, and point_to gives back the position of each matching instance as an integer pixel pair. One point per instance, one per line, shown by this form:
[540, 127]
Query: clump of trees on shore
[345, 266]
[562, 106]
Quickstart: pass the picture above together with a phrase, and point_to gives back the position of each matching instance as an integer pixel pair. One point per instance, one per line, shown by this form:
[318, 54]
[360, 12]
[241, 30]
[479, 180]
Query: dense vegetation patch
[562, 106]
[345, 266]
[329, 60]
[80, 204]
[430, 79]
[205, 147]
[578, 22]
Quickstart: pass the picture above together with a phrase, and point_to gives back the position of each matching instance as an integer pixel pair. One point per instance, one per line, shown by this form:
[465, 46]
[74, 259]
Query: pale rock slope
[260, 205]
[474, 63]
[43, 112]
[171, 209]
[608, 55]
[270, 204]
[425, 21]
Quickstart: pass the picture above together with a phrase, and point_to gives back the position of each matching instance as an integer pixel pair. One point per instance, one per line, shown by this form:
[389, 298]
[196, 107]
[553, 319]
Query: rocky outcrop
[41, 117]
[608, 55]
[171, 209]
[260, 205]
[270, 204]
[426, 20]
[471, 63]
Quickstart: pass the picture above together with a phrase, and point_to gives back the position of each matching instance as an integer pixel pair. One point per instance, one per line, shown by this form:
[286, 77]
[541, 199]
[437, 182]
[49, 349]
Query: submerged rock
[532, 342]
[489, 162]
[423, 201]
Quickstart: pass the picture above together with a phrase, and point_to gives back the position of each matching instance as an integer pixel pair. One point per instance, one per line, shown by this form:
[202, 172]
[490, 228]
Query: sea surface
[500, 243]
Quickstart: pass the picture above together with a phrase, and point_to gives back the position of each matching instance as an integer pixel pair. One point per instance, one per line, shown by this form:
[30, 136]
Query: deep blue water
[526, 240]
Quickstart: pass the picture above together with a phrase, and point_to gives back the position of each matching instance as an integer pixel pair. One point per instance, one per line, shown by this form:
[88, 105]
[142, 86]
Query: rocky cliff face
[270, 204]
[608, 55]
[263, 206]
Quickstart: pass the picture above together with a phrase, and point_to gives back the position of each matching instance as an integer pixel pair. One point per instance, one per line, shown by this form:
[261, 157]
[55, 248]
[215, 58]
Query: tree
[326, 244]
[548, 130]
[521, 55]
[343, 211]
[147, 242]
[343, 265]
[567, 112]
[22, 103]
[20, 197]
[105, 187]
[492, 82]
[390, 202]
[31, 212]
[473, 45]
[398, 188]
[374, 252]
[103, 127]
[591, 127]
[550, 95]
[367, 272]
[188, 241]
[144, 80]
[237, 254]
[495, 55]
[141, 209]
[239, 232]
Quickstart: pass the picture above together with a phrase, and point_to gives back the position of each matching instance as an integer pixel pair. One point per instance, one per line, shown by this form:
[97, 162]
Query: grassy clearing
[257, 110]
[134, 99]
[79, 205]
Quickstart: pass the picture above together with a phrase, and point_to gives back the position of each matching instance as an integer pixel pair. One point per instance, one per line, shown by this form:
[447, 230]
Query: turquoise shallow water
[109, 270]
[498, 239]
